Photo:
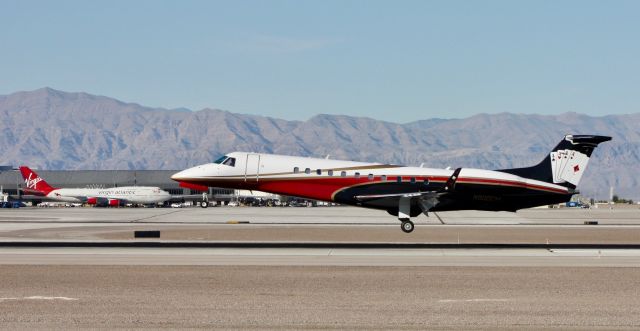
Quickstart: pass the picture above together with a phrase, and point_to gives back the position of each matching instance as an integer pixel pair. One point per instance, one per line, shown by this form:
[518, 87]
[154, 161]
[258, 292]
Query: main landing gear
[407, 226]
[404, 214]
[205, 200]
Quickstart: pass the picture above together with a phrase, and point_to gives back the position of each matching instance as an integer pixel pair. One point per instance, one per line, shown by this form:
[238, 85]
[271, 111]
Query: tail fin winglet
[34, 183]
[451, 182]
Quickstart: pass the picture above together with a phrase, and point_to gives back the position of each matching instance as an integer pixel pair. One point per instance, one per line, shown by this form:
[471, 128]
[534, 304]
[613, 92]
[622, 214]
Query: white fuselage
[402, 191]
[321, 178]
[129, 194]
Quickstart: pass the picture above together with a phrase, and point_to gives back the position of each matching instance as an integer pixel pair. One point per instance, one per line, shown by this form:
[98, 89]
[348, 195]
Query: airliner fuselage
[115, 196]
[129, 194]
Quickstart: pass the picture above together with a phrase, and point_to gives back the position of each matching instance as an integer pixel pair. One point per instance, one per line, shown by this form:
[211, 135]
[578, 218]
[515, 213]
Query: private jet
[403, 191]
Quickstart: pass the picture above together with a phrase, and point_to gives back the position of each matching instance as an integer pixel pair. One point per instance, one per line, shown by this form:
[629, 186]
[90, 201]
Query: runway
[318, 297]
[322, 224]
[317, 215]
[609, 258]
[318, 268]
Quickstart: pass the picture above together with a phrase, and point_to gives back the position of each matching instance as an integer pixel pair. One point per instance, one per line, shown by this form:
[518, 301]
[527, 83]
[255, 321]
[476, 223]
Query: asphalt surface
[324, 287]
[318, 297]
[322, 257]
[322, 224]
[317, 215]
[443, 234]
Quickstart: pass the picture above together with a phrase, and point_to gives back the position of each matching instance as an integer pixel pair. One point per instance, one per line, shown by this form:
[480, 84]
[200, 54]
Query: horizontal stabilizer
[29, 191]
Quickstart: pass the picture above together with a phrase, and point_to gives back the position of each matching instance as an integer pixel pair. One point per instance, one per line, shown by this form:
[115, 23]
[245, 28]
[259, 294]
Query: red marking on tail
[34, 183]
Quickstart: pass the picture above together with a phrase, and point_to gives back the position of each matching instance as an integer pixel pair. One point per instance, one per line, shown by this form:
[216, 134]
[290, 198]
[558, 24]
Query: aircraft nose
[178, 176]
[191, 174]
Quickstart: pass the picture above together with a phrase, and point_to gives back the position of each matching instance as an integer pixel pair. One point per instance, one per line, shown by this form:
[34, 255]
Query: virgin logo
[32, 183]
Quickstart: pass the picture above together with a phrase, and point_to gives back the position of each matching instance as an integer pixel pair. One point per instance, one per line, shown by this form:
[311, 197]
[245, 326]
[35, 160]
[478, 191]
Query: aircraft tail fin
[34, 184]
[566, 163]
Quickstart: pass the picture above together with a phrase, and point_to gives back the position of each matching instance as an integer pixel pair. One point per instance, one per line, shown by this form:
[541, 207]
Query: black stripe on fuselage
[466, 196]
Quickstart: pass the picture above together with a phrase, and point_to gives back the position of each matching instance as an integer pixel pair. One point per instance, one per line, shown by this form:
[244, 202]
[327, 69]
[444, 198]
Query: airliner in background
[403, 191]
[115, 196]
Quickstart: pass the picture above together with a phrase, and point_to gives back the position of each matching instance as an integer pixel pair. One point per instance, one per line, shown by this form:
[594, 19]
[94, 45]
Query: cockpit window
[230, 162]
[220, 159]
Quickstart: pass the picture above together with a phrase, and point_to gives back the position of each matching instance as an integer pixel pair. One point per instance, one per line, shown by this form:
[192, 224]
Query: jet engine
[103, 202]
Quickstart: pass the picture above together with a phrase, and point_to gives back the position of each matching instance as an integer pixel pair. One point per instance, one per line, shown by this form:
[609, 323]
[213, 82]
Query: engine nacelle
[103, 202]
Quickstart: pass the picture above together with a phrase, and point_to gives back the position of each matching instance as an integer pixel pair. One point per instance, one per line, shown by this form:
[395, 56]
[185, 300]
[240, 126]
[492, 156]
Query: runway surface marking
[472, 300]
[154, 216]
[320, 257]
[38, 297]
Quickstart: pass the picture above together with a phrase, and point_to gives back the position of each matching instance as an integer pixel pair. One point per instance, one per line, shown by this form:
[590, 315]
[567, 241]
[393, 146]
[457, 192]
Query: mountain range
[51, 129]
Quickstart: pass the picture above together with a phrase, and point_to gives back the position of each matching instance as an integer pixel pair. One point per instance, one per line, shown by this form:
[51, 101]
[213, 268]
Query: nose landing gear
[205, 200]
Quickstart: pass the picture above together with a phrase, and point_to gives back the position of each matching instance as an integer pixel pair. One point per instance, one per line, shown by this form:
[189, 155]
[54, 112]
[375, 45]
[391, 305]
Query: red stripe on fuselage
[500, 182]
[325, 188]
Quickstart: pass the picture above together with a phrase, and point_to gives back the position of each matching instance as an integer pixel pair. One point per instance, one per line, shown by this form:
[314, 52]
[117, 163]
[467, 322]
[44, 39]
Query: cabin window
[343, 174]
[426, 181]
[330, 172]
[383, 178]
[172, 191]
[413, 180]
[357, 175]
[370, 177]
[230, 162]
[399, 179]
[296, 170]
[307, 171]
[319, 171]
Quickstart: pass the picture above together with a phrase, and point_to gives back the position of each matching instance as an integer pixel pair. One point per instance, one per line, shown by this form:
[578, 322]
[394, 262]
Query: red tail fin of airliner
[34, 184]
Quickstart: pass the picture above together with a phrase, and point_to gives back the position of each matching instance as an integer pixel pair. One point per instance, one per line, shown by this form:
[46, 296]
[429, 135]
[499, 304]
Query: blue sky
[394, 60]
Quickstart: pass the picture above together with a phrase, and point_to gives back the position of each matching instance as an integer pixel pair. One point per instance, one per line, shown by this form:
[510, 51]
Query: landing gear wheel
[204, 204]
[407, 226]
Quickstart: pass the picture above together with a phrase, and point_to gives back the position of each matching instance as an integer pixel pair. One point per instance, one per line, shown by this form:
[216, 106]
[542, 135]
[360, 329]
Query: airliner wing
[426, 200]
[370, 197]
[449, 186]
